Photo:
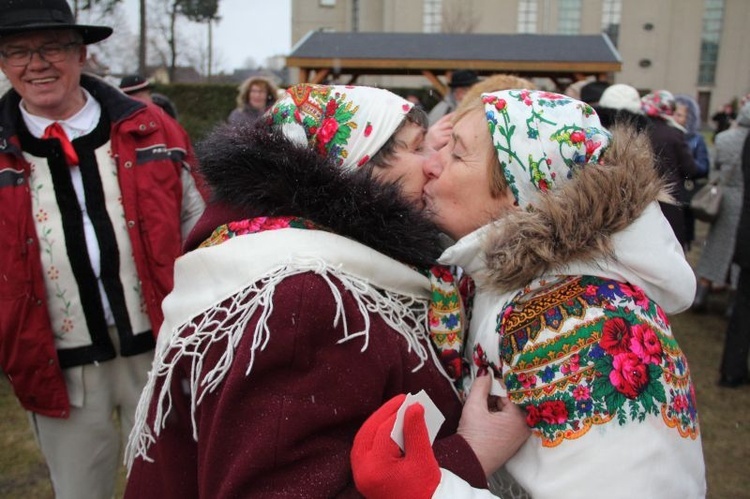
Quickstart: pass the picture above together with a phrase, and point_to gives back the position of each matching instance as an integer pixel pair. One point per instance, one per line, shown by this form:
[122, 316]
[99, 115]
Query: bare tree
[172, 39]
[116, 52]
[202, 11]
[107, 5]
[142, 37]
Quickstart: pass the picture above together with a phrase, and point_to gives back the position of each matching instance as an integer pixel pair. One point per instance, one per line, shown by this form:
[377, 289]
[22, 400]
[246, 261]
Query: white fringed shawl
[219, 289]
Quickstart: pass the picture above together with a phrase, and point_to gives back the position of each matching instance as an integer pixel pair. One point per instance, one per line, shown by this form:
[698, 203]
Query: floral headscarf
[347, 123]
[540, 137]
[658, 104]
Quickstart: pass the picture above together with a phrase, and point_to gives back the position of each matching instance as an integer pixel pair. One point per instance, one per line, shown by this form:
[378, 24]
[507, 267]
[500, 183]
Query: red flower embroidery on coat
[629, 374]
[645, 344]
[615, 336]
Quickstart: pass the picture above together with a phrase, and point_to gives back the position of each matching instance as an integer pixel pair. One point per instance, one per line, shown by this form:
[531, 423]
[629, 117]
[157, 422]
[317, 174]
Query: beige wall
[733, 72]
[308, 15]
[673, 45]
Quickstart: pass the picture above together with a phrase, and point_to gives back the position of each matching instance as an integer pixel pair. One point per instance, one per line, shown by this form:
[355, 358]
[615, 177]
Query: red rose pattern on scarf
[615, 367]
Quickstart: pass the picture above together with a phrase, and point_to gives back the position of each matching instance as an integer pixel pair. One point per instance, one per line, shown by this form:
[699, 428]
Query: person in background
[734, 360]
[621, 104]
[493, 83]
[576, 268]
[592, 92]
[688, 115]
[579, 81]
[714, 268]
[254, 97]
[459, 84]
[137, 87]
[165, 103]
[96, 195]
[264, 375]
[414, 99]
[140, 88]
[674, 161]
[723, 119]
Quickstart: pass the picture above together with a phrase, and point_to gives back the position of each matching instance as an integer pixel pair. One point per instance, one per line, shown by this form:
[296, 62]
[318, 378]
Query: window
[527, 12]
[611, 15]
[432, 18]
[569, 17]
[713, 17]
[327, 3]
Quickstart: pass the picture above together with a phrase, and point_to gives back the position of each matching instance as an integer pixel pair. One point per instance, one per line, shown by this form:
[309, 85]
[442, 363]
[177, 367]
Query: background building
[696, 47]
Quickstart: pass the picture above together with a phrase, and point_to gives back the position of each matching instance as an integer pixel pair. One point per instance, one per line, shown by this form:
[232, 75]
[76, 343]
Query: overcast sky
[248, 28]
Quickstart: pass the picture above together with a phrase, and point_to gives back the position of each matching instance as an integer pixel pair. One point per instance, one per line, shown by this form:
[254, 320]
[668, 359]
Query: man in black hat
[95, 196]
[138, 87]
[459, 83]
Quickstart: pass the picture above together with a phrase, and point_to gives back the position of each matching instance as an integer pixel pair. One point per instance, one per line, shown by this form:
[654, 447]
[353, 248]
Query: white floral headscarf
[540, 137]
[347, 123]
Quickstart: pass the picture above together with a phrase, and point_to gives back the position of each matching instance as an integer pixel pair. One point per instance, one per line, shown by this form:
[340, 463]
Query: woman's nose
[432, 166]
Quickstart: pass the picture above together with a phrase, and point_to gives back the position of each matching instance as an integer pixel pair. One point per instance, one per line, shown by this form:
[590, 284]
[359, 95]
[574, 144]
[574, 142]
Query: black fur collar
[257, 171]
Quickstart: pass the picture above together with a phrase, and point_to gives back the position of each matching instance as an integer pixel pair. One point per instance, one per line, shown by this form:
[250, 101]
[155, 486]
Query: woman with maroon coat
[299, 309]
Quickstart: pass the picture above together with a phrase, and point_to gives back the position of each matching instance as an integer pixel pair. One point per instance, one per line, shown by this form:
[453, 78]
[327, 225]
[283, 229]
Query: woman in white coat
[558, 222]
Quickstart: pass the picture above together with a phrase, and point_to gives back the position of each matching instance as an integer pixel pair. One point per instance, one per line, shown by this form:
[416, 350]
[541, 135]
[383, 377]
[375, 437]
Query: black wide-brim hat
[463, 78]
[134, 83]
[23, 16]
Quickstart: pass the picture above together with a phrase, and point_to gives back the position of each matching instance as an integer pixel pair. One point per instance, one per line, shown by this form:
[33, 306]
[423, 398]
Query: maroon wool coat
[286, 429]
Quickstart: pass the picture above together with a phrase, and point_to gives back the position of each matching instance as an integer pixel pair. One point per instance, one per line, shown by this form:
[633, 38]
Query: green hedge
[200, 107]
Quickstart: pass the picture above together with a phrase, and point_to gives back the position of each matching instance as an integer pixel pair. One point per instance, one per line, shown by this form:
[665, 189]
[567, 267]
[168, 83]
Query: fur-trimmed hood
[576, 222]
[257, 171]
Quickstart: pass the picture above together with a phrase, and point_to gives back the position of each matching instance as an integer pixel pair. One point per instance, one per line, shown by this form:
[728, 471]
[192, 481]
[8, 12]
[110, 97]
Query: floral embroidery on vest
[585, 351]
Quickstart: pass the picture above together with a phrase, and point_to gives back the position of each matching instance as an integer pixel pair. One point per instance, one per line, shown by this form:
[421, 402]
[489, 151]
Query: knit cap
[621, 96]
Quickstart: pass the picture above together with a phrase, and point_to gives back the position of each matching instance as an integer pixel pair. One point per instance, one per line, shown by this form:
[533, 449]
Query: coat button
[142, 127]
[131, 224]
[128, 164]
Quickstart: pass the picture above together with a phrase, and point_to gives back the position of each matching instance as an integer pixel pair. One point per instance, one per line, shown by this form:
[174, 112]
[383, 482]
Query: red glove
[380, 469]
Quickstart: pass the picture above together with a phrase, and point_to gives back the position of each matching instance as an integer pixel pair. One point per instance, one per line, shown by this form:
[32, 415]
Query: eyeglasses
[52, 52]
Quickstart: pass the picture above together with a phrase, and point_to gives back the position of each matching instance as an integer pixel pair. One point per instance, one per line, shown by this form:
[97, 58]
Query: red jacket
[152, 197]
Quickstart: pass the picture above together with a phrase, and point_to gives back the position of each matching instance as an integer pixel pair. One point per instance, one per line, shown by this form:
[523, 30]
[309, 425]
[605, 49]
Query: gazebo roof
[428, 54]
